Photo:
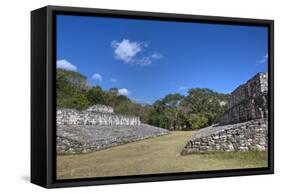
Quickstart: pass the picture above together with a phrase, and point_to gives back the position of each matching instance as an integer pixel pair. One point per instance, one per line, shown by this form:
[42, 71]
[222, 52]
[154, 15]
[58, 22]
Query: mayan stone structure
[98, 128]
[248, 101]
[243, 127]
[95, 115]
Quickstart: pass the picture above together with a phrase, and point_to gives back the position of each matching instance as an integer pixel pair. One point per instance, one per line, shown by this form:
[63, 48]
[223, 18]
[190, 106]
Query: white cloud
[156, 56]
[144, 61]
[130, 51]
[139, 101]
[113, 80]
[64, 64]
[126, 50]
[263, 59]
[124, 92]
[182, 88]
[97, 76]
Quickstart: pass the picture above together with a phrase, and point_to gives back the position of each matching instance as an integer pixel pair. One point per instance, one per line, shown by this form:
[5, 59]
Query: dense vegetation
[199, 108]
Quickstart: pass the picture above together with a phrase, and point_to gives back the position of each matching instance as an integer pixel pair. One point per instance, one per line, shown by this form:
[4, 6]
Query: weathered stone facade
[73, 139]
[247, 136]
[100, 109]
[248, 101]
[97, 128]
[243, 127]
[95, 115]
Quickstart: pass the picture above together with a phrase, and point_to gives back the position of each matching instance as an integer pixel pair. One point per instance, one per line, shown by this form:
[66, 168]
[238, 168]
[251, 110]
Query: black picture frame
[43, 100]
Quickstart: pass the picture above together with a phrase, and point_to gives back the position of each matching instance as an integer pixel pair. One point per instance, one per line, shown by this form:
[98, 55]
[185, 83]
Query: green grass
[150, 156]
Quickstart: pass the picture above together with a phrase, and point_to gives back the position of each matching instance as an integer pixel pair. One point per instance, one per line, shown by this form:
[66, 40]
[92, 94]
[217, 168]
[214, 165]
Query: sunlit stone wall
[95, 115]
[248, 101]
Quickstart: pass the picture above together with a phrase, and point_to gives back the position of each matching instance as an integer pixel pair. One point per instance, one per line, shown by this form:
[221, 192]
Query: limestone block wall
[100, 108]
[248, 101]
[252, 88]
[243, 127]
[75, 117]
[98, 128]
[76, 139]
[248, 136]
[252, 108]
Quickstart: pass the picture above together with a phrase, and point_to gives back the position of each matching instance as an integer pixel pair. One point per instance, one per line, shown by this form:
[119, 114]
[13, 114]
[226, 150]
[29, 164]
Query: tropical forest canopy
[200, 107]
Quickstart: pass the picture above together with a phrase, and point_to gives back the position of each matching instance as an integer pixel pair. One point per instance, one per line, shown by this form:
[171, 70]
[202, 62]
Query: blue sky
[147, 60]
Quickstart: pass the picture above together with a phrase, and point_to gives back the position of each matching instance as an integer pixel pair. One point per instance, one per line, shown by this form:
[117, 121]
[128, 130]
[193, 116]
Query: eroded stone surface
[97, 128]
[92, 116]
[243, 127]
[88, 138]
[100, 108]
[247, 136]
[248, 101]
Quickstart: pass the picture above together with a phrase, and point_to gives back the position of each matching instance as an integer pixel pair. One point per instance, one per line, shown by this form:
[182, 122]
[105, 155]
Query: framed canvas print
[126, 96]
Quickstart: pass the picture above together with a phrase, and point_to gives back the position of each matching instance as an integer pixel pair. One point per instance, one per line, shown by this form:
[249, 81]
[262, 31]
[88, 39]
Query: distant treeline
[200, 107]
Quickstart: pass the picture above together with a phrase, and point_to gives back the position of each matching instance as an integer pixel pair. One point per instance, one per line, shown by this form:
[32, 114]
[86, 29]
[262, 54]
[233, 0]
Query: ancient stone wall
[251, 108]
[254, 87]
[96, 115]
[98, 128]
[76, 139]
[248, 101]
[243, 127]
[100, 108]
[248, 136]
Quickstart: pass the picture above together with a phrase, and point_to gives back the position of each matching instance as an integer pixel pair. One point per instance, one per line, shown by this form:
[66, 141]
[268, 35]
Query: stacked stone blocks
[98, 128]
[95, 115]
[248, 101]
[243, 127]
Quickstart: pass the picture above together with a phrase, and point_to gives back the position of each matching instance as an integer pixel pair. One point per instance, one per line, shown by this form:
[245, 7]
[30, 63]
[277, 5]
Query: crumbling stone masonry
[97, 128]
[247, 136]
[95, 115]
[243, 127]
[248, 101]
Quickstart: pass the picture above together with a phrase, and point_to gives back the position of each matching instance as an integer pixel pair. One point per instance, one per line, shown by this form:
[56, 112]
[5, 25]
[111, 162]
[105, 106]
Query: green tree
[199, 108]
[196, 121]
[77, 101]
[205, 101]
[172, 100]
[71, 89]
[96, 95]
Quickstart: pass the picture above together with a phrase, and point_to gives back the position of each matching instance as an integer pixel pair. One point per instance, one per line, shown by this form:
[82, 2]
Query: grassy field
[150, 156]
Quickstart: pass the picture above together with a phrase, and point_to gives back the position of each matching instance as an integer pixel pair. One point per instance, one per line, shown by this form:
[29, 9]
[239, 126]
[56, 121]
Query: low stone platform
[73, 139]
[247, 136]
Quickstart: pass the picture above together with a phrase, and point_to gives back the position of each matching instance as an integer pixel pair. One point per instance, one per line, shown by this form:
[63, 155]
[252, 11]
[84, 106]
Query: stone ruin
[98, 128]
[248, 101]
[95, 115]
[99, 108]
[243, 127]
